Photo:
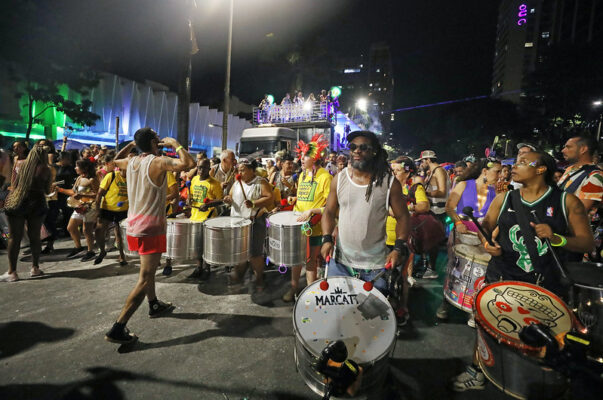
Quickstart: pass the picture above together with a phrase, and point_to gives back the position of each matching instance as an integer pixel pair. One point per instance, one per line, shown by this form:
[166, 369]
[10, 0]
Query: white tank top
[253, 191]
[361, 238]
[437, 204]
[146, 212]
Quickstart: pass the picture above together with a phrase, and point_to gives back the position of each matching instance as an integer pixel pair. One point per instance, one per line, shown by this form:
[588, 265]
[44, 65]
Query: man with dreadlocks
[362, 194]
[27, 203]
[312, 192]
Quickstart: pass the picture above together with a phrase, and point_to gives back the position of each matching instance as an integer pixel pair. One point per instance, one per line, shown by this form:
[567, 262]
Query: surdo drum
[286, 241]
[502, 309]
[226, 241]
[184, 239]
[465, 275]
[364, 321]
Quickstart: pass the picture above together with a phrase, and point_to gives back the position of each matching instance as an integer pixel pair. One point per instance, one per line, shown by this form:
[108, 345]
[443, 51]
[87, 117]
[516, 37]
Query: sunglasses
[363, 147]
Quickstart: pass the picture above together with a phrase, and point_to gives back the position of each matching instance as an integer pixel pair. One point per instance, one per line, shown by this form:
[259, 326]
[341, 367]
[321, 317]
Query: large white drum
[364, 321]
[184, 239]
[286, 241]
[226, 240]
[123, 226]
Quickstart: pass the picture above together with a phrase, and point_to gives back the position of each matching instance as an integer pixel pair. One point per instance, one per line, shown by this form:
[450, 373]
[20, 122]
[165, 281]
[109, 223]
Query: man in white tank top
[361, 194]
[147, 190]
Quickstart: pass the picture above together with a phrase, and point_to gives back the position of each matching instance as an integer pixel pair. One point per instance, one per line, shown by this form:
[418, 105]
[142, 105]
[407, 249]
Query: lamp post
[227, 80]
[598, 104]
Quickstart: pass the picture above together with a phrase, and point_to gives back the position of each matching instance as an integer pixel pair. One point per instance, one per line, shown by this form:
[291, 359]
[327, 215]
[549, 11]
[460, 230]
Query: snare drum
[465, 275]
[226, 241]
[501, 310]
[364, 321]
[184, 239]
[286, 241]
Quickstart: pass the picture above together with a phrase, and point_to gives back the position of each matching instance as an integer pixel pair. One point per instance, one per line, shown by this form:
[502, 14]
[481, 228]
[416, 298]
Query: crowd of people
[365, 210]
[297, 107]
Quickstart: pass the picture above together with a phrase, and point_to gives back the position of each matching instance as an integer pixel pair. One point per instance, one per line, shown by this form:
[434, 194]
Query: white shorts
[88, 217]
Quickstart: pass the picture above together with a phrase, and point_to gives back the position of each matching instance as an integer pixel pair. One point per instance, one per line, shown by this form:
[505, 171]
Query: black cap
[366, 134]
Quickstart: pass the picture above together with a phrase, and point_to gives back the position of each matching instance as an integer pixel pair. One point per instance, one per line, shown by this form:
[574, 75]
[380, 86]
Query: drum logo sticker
[485, 354]
[275, 244]
[514, 308]
[524, 262]
[337, 297]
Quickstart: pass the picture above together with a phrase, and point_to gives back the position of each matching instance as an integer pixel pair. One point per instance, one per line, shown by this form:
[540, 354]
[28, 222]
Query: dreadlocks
[37, 156]
[379, 167]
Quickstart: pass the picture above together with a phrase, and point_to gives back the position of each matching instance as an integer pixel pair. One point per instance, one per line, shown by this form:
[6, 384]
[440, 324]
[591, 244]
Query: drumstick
[324, 285]
[468, 211]
[564, 274]
[238, 178]
[368, 286]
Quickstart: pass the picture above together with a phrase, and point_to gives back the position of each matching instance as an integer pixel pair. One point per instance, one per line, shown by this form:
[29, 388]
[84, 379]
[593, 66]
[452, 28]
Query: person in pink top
[147, 191]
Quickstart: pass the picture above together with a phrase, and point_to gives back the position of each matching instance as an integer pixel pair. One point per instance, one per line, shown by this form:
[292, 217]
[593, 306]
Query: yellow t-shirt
[199, 190]
[313, 193]
[116, 192]
[390, 224]
[171, 181]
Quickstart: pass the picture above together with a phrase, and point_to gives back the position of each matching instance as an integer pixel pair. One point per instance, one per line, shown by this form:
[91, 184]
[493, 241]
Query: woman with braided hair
[27, 203]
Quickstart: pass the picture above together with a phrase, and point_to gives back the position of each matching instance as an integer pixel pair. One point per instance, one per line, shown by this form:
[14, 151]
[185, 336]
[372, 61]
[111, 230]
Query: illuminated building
[381, 85]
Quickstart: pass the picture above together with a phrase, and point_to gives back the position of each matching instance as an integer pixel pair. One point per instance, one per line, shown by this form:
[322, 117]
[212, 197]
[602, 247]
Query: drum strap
[526, 230]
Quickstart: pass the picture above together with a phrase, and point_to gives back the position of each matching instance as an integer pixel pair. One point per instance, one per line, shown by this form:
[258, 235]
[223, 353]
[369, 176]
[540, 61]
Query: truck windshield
[268, 146]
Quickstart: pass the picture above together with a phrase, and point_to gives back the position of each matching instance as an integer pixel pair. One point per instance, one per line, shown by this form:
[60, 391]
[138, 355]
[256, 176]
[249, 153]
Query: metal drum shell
[374, 371]
[123, 226]
[286, 241]
[184, 239]
[226, 241]
[460, 286]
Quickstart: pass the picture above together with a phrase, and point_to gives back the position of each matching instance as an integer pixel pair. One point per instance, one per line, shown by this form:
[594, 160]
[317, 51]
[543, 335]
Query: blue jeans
[338, 269]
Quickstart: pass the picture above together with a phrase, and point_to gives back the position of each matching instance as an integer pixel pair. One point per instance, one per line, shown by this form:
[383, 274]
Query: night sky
[441, 49]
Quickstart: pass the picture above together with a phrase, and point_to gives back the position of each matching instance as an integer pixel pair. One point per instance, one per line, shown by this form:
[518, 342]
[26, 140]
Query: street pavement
[217, 344]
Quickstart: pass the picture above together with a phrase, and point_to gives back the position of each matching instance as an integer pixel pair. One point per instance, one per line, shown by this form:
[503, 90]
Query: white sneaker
[471, 379]
[6, 277]
[411, 281]
[471, 321]
[430, 274]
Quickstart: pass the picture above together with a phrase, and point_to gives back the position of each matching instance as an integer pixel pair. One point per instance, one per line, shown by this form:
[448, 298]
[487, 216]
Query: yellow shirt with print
[199, 190]
[313, 193]
[390, 224]
[117, 191]
[171, 180]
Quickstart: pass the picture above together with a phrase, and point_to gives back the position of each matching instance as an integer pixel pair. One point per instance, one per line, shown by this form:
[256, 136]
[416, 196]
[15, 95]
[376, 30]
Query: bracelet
[486, 245]
[252, 201]
[563, 241]
[327, 239]
[179, 148]
[459, 222]
[399, 245]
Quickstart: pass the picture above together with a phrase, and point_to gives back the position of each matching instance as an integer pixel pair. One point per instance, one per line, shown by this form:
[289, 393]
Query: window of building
[351, 70]
[378, 70]
[529, 44]
[545, 35]
[391, 117]
[532, 10]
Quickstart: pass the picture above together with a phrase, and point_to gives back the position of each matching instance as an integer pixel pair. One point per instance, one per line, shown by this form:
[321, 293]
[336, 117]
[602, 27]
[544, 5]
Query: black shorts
[113, 216]
[258, 236]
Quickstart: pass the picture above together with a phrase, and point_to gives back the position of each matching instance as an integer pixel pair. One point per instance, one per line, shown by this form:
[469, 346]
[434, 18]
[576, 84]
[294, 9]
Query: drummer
[283, 179]
[475, 187]
[84, 193]
[203, 187]
[564, 223]
[312, 193]
[248, 198]
[362, 194]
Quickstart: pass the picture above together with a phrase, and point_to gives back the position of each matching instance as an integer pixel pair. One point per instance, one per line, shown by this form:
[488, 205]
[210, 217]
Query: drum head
[285, 218]
[503, 308]
[472, 253]
[173, 221]
[227, 222]
[470, 239]
[586, 274]
[363, 320]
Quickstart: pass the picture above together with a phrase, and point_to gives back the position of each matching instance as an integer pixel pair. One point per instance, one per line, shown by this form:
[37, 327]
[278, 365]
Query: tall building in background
[526, 29]
[351, 75]
[380, 86]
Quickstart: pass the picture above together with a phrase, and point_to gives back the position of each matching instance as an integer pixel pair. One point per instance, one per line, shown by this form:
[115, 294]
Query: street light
[227, 81]
[598, 103]
[362, 104]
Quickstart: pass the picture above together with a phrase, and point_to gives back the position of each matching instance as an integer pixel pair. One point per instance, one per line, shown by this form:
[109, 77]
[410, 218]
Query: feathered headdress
[313, 148]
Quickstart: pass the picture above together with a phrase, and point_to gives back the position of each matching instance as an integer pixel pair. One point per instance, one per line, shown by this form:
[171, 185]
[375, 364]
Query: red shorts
[147, 244]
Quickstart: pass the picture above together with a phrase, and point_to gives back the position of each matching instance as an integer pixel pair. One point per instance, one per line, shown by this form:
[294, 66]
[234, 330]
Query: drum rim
[492, 331]
[471, 257]
[209, 225]
[183, 220]
[305, 342]
[276, 224]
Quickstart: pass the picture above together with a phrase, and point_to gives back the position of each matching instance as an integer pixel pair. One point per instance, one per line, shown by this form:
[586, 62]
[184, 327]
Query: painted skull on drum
[516, 307]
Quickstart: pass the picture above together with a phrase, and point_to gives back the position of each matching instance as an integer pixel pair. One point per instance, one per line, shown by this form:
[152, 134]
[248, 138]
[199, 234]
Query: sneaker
[471, 379]
[6, 277]
[75, 252]
[442, 312]
[159, 308]
[100, 257]
[290, 295]
[411, 281]
[402, 317]
[36, 273]
[167, 270]
[430, 274]
[88, 256]
[47, 250]
[120, 336]
[471, 321]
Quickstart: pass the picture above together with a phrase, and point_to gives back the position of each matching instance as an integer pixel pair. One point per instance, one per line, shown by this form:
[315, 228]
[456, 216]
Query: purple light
[522, 14]
[282, 269]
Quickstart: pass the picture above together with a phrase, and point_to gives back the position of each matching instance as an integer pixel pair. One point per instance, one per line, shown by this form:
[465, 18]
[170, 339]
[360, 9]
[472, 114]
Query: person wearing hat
[437, 187]
[361, 196]
[469, 160]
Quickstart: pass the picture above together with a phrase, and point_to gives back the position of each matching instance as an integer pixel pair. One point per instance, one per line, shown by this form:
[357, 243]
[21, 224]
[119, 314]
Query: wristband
[327, 239]
[457, 223]
[399, 245]
[563, 241]
[179, 148]
[486, 245]
[252, 201]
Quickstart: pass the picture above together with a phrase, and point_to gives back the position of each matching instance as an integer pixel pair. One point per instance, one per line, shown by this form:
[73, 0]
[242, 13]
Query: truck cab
[265, 142]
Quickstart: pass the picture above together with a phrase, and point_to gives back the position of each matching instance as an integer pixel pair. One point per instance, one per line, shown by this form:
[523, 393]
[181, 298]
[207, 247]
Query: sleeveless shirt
[361, 238]
[469, 198]
[437, 204]
[146, 212]
[253, 191]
